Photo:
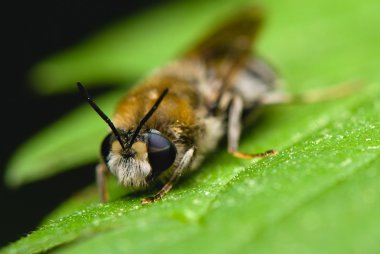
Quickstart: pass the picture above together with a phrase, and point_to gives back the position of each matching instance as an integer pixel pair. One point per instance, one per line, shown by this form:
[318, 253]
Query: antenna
[92, 103]
[147, 116]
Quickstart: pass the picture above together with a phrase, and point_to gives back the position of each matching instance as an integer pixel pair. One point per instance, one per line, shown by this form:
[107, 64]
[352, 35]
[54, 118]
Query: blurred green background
[321, 194]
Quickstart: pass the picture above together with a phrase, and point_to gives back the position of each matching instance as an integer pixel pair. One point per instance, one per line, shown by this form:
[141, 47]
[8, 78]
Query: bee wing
[228, 47]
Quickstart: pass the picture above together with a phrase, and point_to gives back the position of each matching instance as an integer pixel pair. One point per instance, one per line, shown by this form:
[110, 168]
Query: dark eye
[106, 147]
[161, 152]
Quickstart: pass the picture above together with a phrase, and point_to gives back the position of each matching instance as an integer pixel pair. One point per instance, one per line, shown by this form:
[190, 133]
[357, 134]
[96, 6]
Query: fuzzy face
[141, 163]
[130, 171]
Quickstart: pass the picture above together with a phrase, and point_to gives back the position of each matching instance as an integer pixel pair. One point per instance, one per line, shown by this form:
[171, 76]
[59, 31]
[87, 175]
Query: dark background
[33, 31]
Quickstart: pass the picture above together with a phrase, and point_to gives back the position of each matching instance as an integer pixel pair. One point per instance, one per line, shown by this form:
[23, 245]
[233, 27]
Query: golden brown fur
[175, 112]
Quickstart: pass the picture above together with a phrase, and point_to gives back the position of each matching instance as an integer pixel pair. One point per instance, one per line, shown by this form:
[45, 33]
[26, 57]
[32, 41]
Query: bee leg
[313, 96]
[234, 131]
[185, 163]
[101, 174]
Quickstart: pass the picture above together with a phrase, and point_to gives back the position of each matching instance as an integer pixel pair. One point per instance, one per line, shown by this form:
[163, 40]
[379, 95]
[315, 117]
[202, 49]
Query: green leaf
[321, 194]
[322, 189]
[74, 140]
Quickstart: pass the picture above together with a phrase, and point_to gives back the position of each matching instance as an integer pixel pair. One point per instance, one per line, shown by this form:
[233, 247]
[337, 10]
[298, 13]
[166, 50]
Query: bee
[168, 123]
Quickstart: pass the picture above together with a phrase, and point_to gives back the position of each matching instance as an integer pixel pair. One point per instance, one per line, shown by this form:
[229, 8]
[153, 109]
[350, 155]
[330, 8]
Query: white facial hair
[130, 172]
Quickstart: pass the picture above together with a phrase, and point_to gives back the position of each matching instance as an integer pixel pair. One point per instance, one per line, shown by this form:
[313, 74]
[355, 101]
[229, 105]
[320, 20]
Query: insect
[167, 124]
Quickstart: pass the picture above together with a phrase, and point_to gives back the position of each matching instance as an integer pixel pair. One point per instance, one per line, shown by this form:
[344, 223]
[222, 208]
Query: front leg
[234, 131]
[185, 163]
[101, 175]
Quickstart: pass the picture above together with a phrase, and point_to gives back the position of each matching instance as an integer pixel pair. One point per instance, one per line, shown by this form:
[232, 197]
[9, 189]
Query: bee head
[134, 157]
[149, 155]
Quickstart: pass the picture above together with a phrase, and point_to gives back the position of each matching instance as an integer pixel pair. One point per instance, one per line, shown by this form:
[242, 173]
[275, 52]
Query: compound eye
[161, 152]
[106, 147]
